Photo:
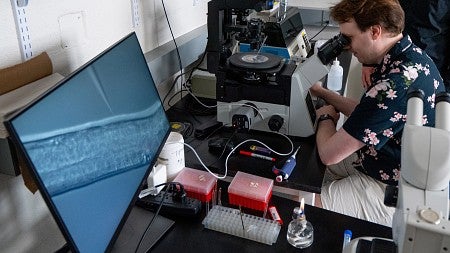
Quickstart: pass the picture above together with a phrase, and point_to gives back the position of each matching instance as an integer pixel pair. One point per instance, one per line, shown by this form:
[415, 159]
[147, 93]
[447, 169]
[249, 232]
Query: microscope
[258, 90]
[420, 222]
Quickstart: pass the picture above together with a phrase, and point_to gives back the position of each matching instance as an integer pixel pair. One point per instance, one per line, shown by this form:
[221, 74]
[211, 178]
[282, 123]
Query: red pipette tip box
[198, 184]
[250, 191]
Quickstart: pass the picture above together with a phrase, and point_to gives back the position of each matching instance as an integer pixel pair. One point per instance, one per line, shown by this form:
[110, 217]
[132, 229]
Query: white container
[156, 177]
[172, 155]
[334, 81]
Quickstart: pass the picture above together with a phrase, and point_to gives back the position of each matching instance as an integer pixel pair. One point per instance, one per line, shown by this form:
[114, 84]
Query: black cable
[157, 211]
[321, 30]
[192, 106]
[174, 41]
[179, 61]
[224, 149]
[196, 67]
[174, 95]
[151, 222]
[171, 87]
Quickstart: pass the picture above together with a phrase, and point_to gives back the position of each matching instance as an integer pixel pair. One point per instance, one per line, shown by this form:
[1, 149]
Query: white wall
[72, 32]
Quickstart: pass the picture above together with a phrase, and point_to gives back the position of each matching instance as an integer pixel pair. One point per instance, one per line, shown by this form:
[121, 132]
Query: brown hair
[387, 13]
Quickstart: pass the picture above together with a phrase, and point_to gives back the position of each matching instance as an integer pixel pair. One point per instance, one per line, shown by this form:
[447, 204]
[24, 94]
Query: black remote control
[186, 207]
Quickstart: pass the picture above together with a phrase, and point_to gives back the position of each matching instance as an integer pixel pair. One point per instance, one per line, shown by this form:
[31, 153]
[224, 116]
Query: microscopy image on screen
[91, 142]
[85, 154]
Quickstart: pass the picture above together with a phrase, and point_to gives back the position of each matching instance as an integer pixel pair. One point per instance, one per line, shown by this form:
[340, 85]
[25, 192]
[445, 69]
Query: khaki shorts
[346, 190]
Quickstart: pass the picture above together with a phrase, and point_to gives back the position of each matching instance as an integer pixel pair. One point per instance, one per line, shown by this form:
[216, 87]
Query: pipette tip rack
[232, 221]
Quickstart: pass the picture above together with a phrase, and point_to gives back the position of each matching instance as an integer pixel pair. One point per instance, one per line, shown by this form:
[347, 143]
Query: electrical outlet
[72, 30]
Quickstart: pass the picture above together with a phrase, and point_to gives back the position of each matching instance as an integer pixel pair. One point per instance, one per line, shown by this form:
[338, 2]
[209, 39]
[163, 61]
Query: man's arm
[342, 104]
[333, 146]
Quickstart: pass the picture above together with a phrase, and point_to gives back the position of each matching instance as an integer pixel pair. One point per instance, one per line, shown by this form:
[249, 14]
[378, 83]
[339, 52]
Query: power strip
[187, 207]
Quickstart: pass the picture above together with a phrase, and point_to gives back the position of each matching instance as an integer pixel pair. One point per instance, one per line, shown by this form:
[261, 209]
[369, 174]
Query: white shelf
[312, 4]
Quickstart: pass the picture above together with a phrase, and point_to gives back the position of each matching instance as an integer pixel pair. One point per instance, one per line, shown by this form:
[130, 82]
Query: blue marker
[287, 168]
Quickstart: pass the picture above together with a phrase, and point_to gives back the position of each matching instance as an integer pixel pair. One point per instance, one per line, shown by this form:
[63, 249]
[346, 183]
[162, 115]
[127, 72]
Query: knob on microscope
[275, 123]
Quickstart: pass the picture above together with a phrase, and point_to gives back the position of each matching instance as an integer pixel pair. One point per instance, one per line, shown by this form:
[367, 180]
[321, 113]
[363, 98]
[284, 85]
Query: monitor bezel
[21, 151]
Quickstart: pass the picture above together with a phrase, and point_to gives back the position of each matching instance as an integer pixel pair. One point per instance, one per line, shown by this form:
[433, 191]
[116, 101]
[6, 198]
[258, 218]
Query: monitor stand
[135, 226]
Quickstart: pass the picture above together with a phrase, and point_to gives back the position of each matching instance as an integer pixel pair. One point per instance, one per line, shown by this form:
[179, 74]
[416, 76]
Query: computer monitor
[91, 142]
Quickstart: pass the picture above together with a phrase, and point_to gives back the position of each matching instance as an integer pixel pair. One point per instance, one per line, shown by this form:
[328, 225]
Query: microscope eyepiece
[332, 48]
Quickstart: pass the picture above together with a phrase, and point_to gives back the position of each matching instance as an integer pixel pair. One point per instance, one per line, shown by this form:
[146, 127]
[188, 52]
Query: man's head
[372, 26]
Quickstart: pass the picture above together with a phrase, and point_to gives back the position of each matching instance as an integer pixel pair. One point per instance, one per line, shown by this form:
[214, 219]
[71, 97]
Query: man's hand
[316, 89]
[328, 109]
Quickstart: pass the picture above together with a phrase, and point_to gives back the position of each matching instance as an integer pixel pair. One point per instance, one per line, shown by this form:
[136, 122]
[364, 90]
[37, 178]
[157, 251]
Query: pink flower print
[372, 151]
[373, 138]
[383, 175]
[410, 73]
[431, 100]
[396, 70]
[397, 117]
[386, 59]
[424, 120]
[396, 176]
[388, 132]
[382, 106]
[374, 91]
[391, 94]
[418, 66]
[436, 84]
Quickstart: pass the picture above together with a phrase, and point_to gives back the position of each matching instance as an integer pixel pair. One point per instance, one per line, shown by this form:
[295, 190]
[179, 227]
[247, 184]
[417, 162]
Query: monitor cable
[168, 185]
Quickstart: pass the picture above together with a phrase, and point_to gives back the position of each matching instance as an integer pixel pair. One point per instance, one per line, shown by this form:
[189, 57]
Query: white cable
[231, 152]
[204, 166]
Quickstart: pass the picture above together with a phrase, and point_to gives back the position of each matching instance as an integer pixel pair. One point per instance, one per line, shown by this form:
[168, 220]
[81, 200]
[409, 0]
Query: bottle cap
[298, 213]
[336, 62]
[348, 232]
[279, 178]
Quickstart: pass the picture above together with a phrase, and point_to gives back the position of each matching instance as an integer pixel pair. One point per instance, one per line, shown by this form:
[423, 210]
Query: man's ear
[375, 31]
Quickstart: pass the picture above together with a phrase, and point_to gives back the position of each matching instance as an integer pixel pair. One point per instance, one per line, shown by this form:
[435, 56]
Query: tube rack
[232, 221]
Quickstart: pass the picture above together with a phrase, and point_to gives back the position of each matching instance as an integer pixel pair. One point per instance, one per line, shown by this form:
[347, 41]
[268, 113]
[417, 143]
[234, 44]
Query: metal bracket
[135, 13]
[22, 29]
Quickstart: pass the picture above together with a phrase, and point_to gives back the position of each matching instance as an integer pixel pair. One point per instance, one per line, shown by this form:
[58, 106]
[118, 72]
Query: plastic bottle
[334, 81]
[300, 232]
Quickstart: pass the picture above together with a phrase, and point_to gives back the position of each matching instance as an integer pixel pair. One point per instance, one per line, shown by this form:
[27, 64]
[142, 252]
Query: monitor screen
[91, 141]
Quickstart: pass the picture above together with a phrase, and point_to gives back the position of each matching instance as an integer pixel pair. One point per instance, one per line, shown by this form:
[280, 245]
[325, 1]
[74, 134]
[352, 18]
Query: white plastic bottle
[334, 81]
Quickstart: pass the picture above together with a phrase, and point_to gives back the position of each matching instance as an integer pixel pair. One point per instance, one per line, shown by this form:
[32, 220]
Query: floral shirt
[379, 118]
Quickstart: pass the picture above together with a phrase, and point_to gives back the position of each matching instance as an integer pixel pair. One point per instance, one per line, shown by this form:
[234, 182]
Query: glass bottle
[300, 232]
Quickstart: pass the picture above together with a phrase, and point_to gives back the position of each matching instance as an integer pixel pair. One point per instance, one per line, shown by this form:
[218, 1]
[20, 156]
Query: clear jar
[300, 232]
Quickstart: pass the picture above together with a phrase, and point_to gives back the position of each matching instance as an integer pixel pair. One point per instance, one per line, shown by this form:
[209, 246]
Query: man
[427, 22]
[364, 155]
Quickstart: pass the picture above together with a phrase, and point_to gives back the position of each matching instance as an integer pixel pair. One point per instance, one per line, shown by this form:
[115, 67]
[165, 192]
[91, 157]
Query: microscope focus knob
[275, 122]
